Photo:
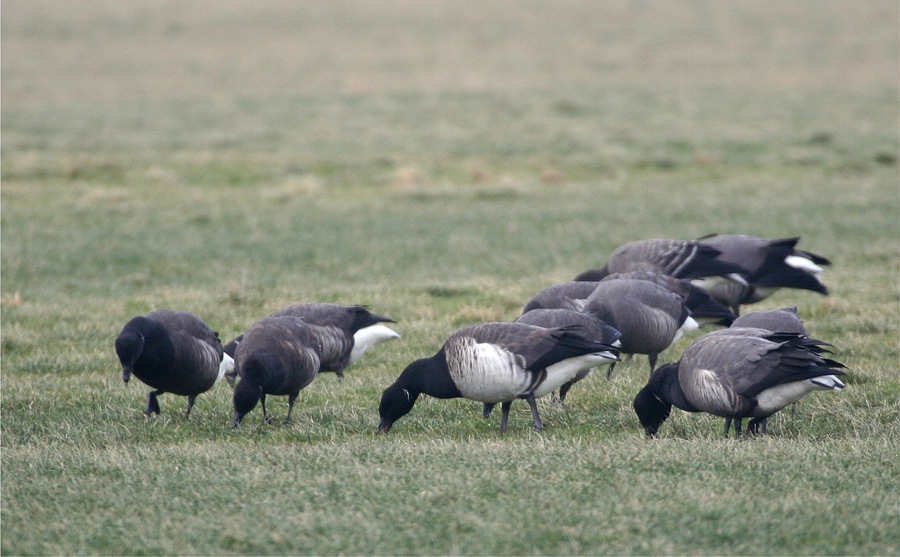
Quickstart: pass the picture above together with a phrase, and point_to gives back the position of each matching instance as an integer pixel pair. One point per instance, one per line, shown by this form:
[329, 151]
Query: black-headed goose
[553, 318]
[566, 295]
[738, 373]
[495, 362]
[704, 308]
[344, 333]
[649, 317]
[770, 265]
[675, 258]
[172, 352]
[277, 356]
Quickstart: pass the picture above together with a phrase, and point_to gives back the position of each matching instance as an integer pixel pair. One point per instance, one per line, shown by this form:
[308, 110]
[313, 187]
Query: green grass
[440, 207]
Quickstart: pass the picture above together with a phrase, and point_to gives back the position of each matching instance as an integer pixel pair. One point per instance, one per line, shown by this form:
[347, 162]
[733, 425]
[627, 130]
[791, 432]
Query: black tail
[704, 307]
[786, 276]
[362, 318]
[705, 263]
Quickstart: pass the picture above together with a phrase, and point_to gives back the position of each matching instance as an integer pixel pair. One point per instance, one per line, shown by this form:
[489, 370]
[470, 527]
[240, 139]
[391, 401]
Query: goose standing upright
[770, 265]
[738, 373]
[495, 362]
[277, 356]
[649, 317]
[172, 352]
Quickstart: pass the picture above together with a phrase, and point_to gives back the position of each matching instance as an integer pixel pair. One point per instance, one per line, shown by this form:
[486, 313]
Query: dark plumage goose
[738, 373]
[495, 362]
[770, 265]
[649, 317]
[344, 333]
[553, 318]
[567, 295]
[172, 352]
[675, 258]
[278, 356]
[704, 309]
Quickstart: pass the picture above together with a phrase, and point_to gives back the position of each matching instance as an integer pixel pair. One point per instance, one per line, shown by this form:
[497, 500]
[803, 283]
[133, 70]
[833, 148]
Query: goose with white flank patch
[496, 362]
[172, 352]
[553, 318]
[344, 333]
[770, 265]
[705, 310]
[738, 373]
[675, 258]
[783, 320]
[277, 356]
[649, 317]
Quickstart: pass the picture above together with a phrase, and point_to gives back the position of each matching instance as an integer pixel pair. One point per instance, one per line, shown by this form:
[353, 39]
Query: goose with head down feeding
[344, 333]
[172, 352]
[738, 373]
[495, 362]
[277, 356]
[649, 317]
[770, 265]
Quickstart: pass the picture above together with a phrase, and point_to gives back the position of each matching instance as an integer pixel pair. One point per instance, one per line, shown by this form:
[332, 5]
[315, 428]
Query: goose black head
[245, 397]
[653, 403]
[396, 402]
[130, 345]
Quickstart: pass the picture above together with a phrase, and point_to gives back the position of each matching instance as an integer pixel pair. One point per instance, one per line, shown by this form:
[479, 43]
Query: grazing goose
[567, 295]
[172, 352]
[770, 265]
[649, 317]
[738, 373]
[704, 309]
[344, 333]
[553, 318]
[675, 258]
[496, 362]
[278, 356]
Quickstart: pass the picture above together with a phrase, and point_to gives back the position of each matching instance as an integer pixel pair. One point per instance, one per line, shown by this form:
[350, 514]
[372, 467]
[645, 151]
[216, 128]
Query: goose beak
[126, 374]
[384, 427]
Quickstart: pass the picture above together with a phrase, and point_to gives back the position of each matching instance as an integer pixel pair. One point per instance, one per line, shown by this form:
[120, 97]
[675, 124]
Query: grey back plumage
[566, 295]
[675, 258]
[783, 320]
[701, 305]
[287, 351]
[648, 316]
[552, 318]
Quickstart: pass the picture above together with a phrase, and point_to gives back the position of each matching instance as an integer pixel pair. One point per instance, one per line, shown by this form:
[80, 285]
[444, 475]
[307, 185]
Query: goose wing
[566, 295]
[676, 258]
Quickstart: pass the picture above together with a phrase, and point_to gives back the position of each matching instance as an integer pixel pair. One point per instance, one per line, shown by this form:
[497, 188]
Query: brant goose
[738, 373]
[278, 356]
[496, 362]
[172, 352]
[770, 265]
[649, 317]
[567, 295]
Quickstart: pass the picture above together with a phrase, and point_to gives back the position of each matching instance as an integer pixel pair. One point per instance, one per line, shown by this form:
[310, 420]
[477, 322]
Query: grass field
[440, 165]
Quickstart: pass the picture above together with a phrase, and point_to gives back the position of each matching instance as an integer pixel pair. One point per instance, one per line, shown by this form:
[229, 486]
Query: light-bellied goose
[738, 373]
[566, 295]
[172, 352]
[770, 265]
[277, 356]
[496, 362]
[590, 325]
[344, 333]
[704, 309]
[783, 320]
[675, 258]
[649, 317]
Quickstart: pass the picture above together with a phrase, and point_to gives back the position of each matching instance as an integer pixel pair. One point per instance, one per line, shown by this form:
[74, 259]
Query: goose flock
[647, 296]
